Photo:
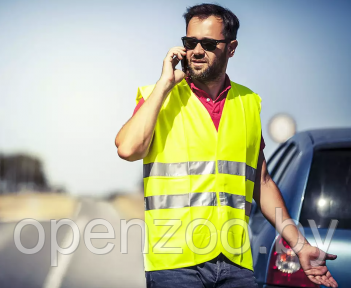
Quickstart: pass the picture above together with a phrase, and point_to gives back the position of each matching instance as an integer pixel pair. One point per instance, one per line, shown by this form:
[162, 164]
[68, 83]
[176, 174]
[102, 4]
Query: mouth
[198, 63]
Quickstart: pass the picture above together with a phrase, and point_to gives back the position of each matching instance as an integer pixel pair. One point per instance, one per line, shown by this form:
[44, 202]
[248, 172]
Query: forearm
[134, 138]
[270, 199]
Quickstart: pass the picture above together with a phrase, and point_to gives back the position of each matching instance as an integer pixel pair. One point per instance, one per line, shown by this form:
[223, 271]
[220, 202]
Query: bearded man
[199, 135]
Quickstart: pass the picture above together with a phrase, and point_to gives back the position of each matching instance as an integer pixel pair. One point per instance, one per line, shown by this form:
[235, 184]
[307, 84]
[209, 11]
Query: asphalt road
[82, 268]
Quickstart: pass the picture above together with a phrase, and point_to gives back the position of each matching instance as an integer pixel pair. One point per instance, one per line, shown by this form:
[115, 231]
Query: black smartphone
[184, 63]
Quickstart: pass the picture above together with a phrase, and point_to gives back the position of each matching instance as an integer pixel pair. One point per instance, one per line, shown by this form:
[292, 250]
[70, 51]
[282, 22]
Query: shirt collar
[201, 93]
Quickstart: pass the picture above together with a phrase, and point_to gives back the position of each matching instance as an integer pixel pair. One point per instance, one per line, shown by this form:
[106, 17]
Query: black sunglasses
[207, 44]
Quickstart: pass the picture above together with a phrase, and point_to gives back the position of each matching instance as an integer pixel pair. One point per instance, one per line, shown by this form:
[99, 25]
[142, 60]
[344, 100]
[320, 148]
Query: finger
[325, 281]
[313, 279]
[317, 271]
[176, 53]
[330, 256]
[181, 52]
[170, 57]
[176, 57]
[175, 61]
[332, 280]
[319, 278]
[182, 49]
[334, 283]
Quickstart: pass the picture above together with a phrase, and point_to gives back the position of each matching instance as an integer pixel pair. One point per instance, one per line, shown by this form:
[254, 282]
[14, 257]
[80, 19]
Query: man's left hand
[313, 262]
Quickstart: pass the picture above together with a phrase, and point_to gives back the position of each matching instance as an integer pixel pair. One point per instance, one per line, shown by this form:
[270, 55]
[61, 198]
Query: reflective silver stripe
[179, 169]
[180, 200]
[235, 201]
[236, 168]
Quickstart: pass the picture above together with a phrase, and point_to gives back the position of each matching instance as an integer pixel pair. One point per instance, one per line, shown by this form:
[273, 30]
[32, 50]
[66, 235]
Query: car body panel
[293, 188]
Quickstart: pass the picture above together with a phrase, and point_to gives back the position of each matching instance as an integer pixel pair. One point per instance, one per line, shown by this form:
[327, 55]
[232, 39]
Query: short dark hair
[203, 11]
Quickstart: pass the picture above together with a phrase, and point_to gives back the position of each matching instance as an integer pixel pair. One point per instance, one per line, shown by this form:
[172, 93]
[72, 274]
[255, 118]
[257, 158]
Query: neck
[212, 88]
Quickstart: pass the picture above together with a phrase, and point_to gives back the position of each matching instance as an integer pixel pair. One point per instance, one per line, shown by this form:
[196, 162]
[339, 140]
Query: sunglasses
[206, 43]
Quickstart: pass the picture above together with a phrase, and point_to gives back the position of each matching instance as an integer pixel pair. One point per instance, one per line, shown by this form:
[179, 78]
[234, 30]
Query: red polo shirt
[214, 108]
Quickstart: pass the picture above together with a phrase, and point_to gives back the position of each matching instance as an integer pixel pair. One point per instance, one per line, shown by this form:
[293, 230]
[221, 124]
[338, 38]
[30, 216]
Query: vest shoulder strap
[144, 92]
[247, 95]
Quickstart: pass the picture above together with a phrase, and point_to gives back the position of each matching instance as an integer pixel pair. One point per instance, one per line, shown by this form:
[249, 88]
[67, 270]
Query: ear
[231, 47]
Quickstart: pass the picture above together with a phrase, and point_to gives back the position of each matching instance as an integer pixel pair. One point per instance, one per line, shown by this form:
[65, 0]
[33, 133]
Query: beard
[211, 73]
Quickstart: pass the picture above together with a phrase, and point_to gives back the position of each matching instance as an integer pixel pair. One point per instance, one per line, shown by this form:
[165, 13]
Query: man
[203, 167]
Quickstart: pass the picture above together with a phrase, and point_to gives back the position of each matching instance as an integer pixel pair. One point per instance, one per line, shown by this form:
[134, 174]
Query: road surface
[79, 269]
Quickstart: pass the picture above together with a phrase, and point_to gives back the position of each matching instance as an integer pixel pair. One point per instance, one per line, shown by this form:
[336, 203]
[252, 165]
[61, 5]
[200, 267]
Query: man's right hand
[134, 139]
[171, 76]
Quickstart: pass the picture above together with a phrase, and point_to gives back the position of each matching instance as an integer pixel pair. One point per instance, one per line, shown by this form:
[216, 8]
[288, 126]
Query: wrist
[301, 247]
[165, 85]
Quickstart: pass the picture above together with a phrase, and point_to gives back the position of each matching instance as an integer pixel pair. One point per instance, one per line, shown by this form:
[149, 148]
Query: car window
[328, 191]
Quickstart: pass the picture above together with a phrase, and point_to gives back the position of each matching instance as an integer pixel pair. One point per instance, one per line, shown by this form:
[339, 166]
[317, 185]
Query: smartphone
[184, 63]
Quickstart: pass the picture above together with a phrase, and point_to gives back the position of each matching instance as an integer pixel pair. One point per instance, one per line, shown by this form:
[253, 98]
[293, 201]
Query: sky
[69, 73]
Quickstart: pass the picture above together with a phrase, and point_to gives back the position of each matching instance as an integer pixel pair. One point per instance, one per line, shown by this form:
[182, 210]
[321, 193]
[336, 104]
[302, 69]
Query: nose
[198, 49]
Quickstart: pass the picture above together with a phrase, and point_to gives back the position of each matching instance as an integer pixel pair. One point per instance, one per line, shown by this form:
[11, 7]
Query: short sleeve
[141, 102]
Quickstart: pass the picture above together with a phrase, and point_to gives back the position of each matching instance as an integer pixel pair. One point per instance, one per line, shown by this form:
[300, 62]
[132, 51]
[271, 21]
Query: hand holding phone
[184, 64]
[170, 75]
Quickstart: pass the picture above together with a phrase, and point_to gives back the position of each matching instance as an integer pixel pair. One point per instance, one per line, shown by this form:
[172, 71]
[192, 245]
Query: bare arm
[134, 138]
[268, 197]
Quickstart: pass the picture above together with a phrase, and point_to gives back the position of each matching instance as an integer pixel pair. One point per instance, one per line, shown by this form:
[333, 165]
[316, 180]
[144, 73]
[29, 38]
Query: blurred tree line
[21, 172]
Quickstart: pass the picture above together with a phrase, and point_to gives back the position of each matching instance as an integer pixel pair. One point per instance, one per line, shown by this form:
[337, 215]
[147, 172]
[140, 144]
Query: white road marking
[56, 274]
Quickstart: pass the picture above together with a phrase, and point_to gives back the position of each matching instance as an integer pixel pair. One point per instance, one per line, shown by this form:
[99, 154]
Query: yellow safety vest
[198, 183]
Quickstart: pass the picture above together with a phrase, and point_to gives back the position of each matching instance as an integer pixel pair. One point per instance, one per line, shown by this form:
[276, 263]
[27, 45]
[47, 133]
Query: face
[213, 63]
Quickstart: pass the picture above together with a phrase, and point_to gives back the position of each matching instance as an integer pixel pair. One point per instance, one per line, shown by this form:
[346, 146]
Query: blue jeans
[219, 272]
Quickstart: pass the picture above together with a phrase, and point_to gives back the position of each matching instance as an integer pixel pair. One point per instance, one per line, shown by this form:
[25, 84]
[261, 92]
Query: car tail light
[284, 268]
